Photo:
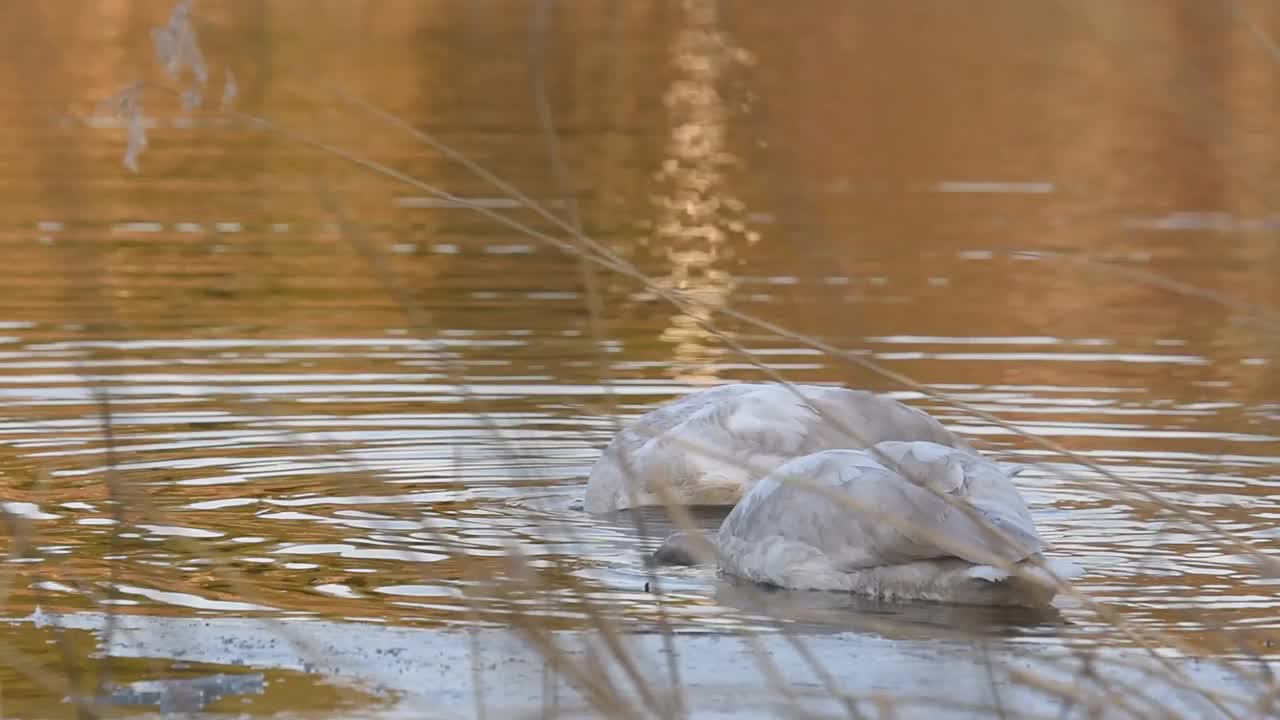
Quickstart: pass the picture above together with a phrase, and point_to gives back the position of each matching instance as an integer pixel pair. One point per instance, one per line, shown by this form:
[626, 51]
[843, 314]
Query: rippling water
[1008, 208]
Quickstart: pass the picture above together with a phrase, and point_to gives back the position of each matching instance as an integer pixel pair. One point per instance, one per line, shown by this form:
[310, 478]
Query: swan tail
[1054, 571]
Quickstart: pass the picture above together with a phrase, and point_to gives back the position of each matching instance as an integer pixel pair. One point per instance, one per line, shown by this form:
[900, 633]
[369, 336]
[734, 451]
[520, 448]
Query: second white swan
[903, 520]
[712, 446]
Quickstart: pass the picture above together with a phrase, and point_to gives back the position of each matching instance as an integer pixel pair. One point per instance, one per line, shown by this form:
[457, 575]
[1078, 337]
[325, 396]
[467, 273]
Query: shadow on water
[814, 612]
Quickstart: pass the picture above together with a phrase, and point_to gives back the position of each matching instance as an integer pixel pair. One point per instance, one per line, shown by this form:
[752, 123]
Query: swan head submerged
[688, 547]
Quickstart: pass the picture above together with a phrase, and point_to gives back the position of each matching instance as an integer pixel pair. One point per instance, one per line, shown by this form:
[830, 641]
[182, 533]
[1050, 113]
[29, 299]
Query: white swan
[833, 489]
[904, 520]
[710, 447]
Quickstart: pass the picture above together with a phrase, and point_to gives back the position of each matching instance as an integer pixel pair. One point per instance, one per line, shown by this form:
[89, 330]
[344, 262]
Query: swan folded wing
[928, 465]
[661, 420]
[985, 538]
[618, 480]
[773, 420]
[711, 446]
[859, 514]
[981, 517]
[716, 451]
[839, 503]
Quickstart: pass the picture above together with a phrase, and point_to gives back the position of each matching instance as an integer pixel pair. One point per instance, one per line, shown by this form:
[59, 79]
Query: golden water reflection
[700, 224]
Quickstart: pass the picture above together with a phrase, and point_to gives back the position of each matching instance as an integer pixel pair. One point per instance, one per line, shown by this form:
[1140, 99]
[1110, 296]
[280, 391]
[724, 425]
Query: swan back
[904, 519]
[712, 446]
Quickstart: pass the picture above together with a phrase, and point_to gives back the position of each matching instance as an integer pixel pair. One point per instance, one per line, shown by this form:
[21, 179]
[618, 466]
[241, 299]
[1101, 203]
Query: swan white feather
[710, 447]
[904, 520]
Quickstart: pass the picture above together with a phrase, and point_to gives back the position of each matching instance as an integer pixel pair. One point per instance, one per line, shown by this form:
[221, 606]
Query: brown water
[1010, 206]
